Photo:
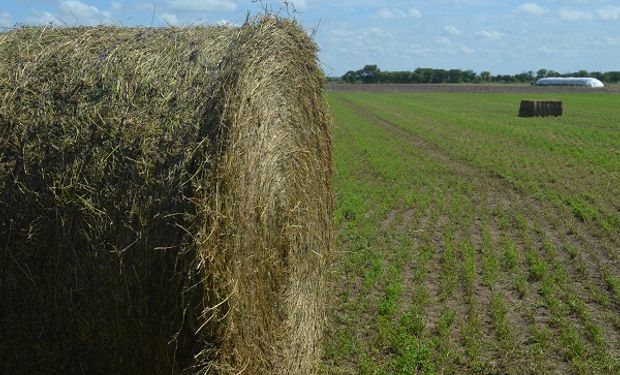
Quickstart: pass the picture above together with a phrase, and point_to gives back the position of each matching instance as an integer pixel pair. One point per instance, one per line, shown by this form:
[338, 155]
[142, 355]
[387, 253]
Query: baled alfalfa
[165, 200]
[527, 108]
[543, 108]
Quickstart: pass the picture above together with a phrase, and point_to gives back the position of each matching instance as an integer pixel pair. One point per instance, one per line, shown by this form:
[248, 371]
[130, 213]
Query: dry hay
[534, 108]
[165, 200]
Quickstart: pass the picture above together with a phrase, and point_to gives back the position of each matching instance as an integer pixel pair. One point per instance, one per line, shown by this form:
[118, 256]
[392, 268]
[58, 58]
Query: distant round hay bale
[165, 200]
[533, 108]
[527, 108]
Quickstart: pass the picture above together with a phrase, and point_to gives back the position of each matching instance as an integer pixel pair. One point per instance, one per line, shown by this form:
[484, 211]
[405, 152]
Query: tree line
[372, 74]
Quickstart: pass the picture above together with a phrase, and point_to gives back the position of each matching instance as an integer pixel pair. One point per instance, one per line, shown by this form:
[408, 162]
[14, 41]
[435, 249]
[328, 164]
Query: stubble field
[472, 240]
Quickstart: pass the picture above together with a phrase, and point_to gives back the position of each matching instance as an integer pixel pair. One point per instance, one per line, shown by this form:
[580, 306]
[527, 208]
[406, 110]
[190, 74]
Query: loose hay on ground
[165, 199]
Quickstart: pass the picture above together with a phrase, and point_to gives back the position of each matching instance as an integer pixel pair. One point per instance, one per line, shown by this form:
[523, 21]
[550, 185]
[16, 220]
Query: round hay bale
[527, 108]
[165, 200]
[543, 108]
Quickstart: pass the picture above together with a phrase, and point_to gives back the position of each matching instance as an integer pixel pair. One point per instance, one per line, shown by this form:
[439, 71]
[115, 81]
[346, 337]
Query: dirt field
[471, 240]
[468, 88]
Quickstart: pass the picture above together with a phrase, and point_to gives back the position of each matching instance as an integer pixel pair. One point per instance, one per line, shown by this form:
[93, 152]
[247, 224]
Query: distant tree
[455, 76]
[598, 75]
[542, 73]
[370, 74]
[439, 76]
[612, 77]
[349, 77]
[423, 75]
[469, 76]
[524, 77]
[506, 78]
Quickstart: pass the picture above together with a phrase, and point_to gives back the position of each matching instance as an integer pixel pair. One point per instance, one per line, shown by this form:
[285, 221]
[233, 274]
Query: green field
[472, 240]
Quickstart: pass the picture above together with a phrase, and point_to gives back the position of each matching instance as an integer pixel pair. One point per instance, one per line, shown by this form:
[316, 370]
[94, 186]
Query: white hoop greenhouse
[570, 81]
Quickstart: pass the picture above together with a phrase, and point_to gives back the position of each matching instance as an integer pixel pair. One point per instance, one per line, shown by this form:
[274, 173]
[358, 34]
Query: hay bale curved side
[158, 213]
[274, 192]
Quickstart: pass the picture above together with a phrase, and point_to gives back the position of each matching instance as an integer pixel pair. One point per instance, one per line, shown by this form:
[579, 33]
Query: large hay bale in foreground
[543, 108]
[165, 200]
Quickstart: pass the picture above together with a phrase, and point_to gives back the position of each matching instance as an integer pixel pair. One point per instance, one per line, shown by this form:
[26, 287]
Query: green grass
[473, 241]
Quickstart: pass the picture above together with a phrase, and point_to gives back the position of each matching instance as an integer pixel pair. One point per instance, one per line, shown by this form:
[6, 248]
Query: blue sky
[501, 36]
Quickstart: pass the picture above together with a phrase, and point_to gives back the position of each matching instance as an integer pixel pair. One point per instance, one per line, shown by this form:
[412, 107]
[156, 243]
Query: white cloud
[116, 5]
[5, 19]
[70, 12]
[84, 13]
[226, 23]
[42, 18]
[548, 51]
[202, 5]
[170, 19]
[574, 15]
[611, 42]
[444, 41]
[392, 13]
[533, 9]
[386, 14]
[452, 30]
[466, 50]
[299, 5]
[380, 33]
[342, 33]
[610, 13]
[489, 34]
[415, 13]
[419, 51]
